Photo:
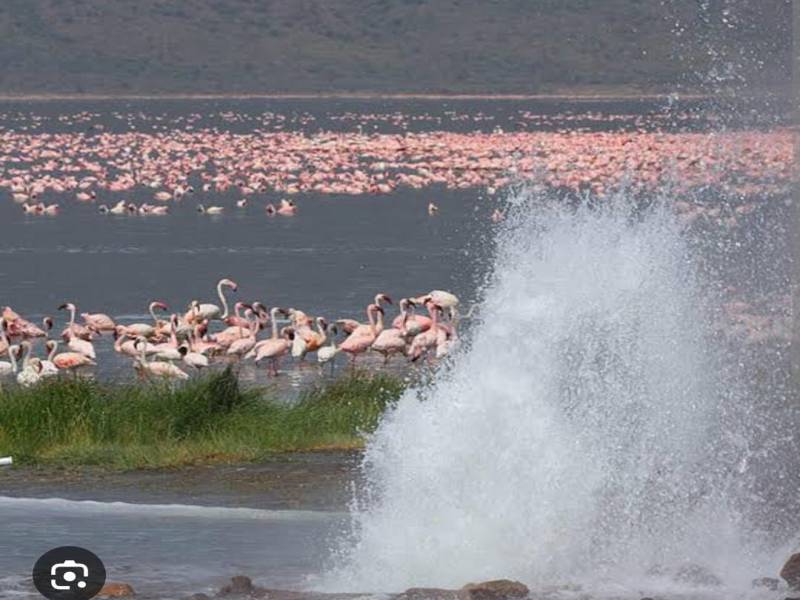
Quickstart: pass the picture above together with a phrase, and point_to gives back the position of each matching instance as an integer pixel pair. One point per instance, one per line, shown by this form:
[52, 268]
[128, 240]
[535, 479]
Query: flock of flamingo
[41, 170]
[166, 348]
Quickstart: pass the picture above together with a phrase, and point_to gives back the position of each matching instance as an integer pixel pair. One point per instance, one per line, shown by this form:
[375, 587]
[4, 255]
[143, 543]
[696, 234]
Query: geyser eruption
[589, 432]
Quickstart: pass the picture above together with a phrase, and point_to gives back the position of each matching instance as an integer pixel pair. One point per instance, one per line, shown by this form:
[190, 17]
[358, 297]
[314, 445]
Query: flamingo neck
[12, 358]
[52, 352]
[223, 301]
[274, 316]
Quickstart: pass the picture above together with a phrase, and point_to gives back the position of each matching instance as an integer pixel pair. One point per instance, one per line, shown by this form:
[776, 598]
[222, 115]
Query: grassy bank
[78, 422]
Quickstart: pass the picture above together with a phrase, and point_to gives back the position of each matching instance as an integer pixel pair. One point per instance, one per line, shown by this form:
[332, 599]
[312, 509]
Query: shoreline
[312, 480]
[566, 96]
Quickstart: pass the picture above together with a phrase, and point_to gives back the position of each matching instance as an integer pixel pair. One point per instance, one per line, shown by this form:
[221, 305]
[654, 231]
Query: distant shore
[576, 96]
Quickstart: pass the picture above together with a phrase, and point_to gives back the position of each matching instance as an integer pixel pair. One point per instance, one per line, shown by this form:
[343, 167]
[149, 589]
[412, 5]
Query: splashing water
[588, 433]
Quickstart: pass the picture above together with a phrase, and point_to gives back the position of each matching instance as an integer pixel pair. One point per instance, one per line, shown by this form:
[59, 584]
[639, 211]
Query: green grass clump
[212, 419]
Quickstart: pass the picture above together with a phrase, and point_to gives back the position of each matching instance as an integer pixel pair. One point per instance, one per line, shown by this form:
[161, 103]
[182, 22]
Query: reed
[211, 419]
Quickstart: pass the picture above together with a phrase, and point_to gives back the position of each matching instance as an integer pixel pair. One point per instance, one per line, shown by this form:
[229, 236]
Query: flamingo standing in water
[210, 312]
[359, 341]
[427, 340]
[276, 346]
[351, 326]
[155, 368]
[287, 208]
[100, 322]
[74, 329]
[49, 369]
[31, 372]
[193, 359]
[246, 341]
[393, 340]
[328, 353]
[7, 367]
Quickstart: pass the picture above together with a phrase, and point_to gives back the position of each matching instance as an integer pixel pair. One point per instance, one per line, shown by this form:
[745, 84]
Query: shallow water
[167, 551]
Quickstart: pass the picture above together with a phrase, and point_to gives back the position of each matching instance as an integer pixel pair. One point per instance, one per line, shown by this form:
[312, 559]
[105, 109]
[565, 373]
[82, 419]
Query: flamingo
[287, 208]
[354, 327]
[155, 368]
[446, 300]
[246, 342]
[31, 372]
[73, 329]
[210, 210]
[49, 369]
[393, 340]
[210, 312]
[9, 367]
[100, 322]
[412, 323]
[146, 330]
[80, 346]
[328, 353]
[276, 346]
[193, 359]
[426, 340]
[359, 342]
[432, 209]
[169, 350]
[4, 344]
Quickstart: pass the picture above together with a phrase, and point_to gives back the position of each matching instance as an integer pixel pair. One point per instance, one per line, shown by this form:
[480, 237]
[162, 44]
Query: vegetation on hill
[422, 46]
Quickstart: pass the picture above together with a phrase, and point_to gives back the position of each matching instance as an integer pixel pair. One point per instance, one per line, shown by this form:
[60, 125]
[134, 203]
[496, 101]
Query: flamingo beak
[63, 307]
[387, 299]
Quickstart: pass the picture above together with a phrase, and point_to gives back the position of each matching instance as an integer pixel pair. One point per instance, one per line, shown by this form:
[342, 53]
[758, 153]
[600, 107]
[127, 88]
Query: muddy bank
[297, 481]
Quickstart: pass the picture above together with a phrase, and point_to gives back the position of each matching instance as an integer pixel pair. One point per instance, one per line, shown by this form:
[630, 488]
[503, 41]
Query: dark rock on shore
[499, 589]
[791, 571]
[240, 585]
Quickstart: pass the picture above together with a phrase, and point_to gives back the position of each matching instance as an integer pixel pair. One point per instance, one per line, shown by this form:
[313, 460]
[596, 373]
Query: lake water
[334, 256]
[330, 259]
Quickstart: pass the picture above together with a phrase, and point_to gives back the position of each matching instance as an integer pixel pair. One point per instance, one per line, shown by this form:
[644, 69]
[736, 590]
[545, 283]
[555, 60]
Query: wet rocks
[428, 594]
[240, 585]
[116, 590]
[791, 572]
[499, 589]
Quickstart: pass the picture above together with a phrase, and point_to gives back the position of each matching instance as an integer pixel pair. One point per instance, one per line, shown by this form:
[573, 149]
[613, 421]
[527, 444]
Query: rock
[791, 571]
[428, 594]
[769, 583]
[697, 575]
[240, 585]
[116, 590]
[199, 596]
[498, 589]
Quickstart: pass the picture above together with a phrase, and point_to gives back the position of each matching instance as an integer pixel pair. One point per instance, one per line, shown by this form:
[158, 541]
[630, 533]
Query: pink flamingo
[426, 340]
[359, 341]
[276, 346]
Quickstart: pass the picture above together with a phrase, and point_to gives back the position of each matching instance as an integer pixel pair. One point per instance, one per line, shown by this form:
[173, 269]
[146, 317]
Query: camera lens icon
[69, 573]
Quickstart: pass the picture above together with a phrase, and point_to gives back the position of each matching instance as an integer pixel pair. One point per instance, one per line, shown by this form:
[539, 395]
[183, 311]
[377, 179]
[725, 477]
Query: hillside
[489, 46]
